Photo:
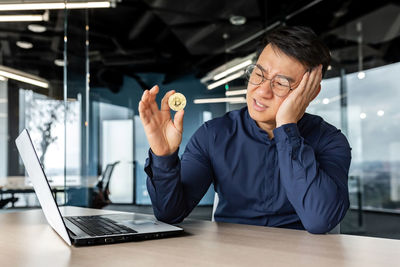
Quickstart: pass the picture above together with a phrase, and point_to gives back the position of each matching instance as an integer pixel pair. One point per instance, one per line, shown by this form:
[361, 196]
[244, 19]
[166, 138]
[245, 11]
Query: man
[271, 163]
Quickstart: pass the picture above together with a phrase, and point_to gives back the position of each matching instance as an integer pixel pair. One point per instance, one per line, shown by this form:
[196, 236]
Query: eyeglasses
[280, 85]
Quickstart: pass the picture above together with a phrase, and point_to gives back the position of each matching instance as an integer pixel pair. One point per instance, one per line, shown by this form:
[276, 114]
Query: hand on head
[293, 107]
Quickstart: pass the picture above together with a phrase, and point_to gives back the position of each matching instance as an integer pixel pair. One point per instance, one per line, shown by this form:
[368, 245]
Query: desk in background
[12, 185]
[27, 240]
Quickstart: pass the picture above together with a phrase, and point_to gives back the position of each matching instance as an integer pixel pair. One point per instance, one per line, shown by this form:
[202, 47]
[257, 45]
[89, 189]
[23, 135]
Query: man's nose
[264, 90]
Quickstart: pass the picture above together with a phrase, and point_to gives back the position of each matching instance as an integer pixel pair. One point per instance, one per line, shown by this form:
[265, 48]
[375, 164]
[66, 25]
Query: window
[373, 127]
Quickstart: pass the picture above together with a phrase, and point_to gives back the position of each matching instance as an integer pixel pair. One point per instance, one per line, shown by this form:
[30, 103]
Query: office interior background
[74, 77]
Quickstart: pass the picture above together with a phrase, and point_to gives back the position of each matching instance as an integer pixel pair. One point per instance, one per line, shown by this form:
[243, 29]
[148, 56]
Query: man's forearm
[163, 185]
[317, 189]
[176, 186]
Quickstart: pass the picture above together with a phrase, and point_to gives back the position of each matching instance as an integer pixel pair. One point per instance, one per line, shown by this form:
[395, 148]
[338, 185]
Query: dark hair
[300, 43]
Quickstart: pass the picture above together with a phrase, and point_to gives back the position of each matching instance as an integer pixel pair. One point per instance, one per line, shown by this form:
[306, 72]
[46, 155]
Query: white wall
[117, 145]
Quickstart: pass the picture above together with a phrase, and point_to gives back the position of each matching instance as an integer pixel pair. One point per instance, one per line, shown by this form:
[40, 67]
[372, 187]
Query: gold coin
[177, 101]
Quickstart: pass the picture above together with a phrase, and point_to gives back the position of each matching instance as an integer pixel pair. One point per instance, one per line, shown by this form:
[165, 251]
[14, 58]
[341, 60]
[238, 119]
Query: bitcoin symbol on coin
[177, 101]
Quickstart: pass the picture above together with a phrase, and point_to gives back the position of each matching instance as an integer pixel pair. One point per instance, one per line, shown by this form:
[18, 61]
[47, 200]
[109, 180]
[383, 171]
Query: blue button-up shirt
[298, 179]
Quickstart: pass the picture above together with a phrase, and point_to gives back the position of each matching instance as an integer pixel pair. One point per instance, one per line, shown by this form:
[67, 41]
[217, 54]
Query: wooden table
[27, 240]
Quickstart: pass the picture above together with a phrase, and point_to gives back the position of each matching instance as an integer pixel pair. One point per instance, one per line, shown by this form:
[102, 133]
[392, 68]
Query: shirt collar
[255, 131]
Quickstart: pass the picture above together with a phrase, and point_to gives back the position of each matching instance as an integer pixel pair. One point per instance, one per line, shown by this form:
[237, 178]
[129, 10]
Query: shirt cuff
[287, 133]
[163, 162]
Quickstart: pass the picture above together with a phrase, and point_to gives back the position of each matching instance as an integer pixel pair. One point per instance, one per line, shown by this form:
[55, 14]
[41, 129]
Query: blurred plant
[43, 115]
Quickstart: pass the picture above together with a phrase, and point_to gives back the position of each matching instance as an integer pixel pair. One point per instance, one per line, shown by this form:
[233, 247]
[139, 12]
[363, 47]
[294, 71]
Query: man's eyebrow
[261, 67]
[290, 79]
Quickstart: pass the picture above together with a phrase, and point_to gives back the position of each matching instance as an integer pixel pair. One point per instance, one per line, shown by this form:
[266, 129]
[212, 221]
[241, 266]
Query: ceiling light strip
[103, 4]
[233, 69]
[220, 100]
[11, 18]
[23, 77]
[225, 80]
[236, 92]
[54, 5]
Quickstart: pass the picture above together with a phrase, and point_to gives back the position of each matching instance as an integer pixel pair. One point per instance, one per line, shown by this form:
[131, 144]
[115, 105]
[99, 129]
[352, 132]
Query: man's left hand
[293, 107]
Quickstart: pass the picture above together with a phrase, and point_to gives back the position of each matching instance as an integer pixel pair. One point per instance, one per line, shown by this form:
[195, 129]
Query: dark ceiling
[194, 37]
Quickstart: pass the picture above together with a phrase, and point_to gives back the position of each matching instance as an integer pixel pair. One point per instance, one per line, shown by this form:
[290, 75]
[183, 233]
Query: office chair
[335, 230]
[4, 202]
[102, 192]
[216, 200]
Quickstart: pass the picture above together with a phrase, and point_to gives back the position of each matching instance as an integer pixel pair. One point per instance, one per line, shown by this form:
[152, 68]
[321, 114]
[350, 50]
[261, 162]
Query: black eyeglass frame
[263, 78]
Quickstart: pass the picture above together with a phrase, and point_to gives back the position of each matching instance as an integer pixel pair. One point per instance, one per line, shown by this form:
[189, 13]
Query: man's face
[261, 101]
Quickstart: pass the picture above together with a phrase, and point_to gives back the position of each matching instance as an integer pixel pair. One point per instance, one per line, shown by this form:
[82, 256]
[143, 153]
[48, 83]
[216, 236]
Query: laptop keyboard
[99, 226]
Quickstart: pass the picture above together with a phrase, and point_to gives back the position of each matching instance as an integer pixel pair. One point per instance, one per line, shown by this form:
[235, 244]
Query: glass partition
[3, 128]
[31, 97]
[327, 104]
[79, 181]
[371, 111]
[374, 125]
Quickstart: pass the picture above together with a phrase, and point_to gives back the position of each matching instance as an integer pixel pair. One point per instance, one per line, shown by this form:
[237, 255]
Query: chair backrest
[5, 201]
[216, 200]
[99, 198]
[104, 182]
[335, 230]
[107, 175]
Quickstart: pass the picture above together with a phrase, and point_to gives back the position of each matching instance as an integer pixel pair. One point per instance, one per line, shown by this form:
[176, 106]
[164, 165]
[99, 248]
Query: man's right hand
[163, 134]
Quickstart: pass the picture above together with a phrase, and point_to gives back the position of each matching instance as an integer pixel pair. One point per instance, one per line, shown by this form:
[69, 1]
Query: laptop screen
[41, 185]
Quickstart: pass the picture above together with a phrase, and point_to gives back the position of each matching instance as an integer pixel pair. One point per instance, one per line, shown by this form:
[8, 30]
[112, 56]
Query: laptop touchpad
[138, 222]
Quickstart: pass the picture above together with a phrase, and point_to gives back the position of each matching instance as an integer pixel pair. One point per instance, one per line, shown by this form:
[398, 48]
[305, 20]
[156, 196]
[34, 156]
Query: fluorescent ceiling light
[325, 101]
[225, 80]
[237, 20]
[28, 17]
[23, 77]
[54, 5]
[236, 92]
[233, 69]
[24, 45]
[59, 62]
[228, 68]
[36, 28]
[220, 100]
[11, 18]
[31, 6]
[102, 4]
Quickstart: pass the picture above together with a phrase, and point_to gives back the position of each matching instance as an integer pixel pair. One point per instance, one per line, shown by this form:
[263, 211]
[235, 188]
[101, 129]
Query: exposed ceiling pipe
[138, 26]
[270, 27]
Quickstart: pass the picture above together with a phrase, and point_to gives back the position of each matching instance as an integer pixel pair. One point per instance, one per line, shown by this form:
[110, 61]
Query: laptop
[87, 230]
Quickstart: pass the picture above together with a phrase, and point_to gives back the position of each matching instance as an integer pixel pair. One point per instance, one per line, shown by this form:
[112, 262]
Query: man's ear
[317, 93]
